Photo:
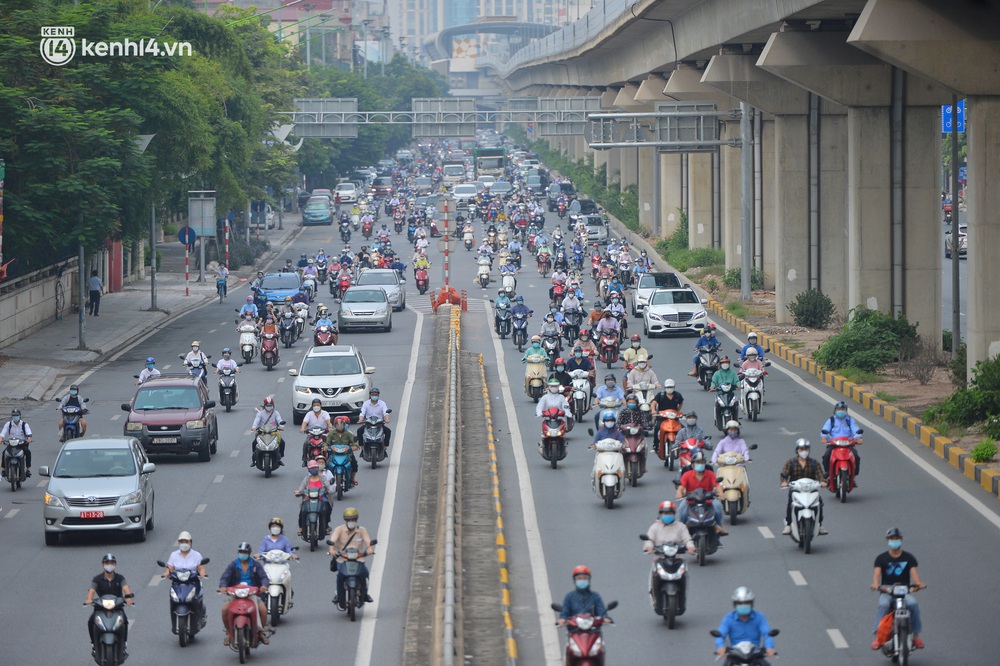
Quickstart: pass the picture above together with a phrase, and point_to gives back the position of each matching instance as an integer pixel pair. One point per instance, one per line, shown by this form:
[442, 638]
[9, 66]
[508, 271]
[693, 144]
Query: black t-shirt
[104, 587]
[663, 401]
[895, 570]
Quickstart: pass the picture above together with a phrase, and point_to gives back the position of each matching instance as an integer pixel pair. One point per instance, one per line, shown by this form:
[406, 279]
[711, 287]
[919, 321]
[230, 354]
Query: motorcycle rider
[580, 361]
[897, 567]
[519, 306]
[342, 435]
[632, 414]
[303, 261]
[316, 417]
[314, 479]
[751, 344]
[321, 255]
[699, 476]
[609, 429]
[375, 406]
[571, 303]
[596, 312]
[635, 350]
[275, 539]
[269, 325]
[744, 624]
[751, 360]
[348, 535]
[309, 270]
[550, 327]
[725, 374]
[641, 373]
[268, 416]
[17, 429]
[249, 307]
[555, 398]
[323, 319]
[587, 342]
[149, 372]
[731, 443]
[535, 348]
[73, 399]
[301, 296]
[607, 324]
[666, 530]
[560, 374]
[582, 599]
[194, 354]
[501, 300]
[668, 398]
[609, 389]
[841, 425]
[801, 467]
[109, 582]
[186, 558]
[708, 340]
[245, 571]
[227, 362]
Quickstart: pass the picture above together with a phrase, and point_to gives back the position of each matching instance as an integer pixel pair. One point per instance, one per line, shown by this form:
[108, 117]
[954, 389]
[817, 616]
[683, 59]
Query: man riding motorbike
[582, 599]
[631, 355]
[375, 406]
[16, 429]
[707, 340]
[841, 425]
[751, 344]
[245, 571]
[897, 567]
[149, 372]
[73, 399]
[267, 416]
[699, 476]
[108, 583]
[314, 479]
[188, 559]
[342, 435]
[801, 467]
[249, 308]
[744, 624]
[555, 398]
[351, 535]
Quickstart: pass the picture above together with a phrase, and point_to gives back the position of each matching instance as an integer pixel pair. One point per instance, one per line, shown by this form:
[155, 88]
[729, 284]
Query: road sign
[946, 117]
[187, 235]
[963, 173]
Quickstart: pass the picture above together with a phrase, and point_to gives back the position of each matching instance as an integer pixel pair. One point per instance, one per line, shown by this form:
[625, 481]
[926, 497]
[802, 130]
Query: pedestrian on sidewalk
[94, 284]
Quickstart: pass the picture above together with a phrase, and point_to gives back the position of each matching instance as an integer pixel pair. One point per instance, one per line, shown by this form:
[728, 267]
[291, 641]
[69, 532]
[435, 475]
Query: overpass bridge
[845, 98]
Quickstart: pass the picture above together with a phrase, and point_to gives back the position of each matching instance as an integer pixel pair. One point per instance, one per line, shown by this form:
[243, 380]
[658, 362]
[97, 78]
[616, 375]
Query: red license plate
[91, 514]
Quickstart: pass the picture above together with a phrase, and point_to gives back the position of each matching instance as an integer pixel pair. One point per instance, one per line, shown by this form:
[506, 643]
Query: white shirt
[312, 419]
[15, 430]
[224, 363]
[148, 374]
[193, 355]
[264, 417]
[189, 560]
[373, 409]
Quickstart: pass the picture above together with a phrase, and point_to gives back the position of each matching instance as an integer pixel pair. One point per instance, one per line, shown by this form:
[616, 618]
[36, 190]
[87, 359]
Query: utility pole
[364, 42]
[746, 202]
[956, 291]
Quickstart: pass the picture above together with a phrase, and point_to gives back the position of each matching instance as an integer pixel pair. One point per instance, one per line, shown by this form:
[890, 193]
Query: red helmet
[581, 570]
[711, 327]
[269, 401]
[584, 333]
[636, 338]
[667, 506]
[341, 419]
[560, 360]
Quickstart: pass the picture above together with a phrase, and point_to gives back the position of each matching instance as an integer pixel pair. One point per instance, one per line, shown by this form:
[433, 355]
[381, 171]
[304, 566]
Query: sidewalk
[36, 367]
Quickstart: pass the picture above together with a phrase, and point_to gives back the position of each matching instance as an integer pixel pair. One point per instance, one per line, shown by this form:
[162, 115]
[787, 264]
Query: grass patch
[860, 376]
[737, 309]
[791, 343]
[886, 397]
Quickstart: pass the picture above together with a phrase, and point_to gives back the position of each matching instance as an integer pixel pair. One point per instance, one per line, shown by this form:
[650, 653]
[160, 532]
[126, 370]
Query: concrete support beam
[629, 167]
[647, 187]
[608, 99]
[739, 77]
[651, 90]
[626, 101]
[983, 199]
[731, 198]
[614, 164]
[700, 195]
[670, 192]
[832, 255]
[684, 85]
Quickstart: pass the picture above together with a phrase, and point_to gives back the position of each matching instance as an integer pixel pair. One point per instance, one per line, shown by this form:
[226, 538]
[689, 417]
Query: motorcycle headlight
[173, 596]
[52, 500]
[132, 498]
[197, 423]
[575, 649]
[283, 577]
[597, 647]
[190, 595]
[133, 426]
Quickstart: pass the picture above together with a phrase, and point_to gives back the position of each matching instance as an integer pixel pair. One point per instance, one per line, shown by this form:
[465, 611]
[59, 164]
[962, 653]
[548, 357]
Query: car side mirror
[148, 468]
[292, 372]
[126, 407]
[43, 470]
[704, 301]
[209, 404]
[370, 370]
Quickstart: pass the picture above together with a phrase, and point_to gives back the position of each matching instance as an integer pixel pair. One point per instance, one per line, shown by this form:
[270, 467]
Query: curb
[955, 455]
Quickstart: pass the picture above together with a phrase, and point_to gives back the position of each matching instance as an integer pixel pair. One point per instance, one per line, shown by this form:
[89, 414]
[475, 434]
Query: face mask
[582, 584]
[351, 524]
[269, 408]
[609, 424]
[841, 414]
[632, 405]
[609, 384]
[895, 544]
[339, 427]
[642, 365]
[733, 434]
[244, 557]
[699, 468]
[560, 368]
[374, 398]
[580, 355]
[668, 390]
[317, 409]
[313, 472]
[743, 609]
[724, 366]
[692, 422]
[667, 518]
[16, 419]
[74, 392]
[110, 568]
[184, 547]
[195, 349]
[149, 365]
[275, 530]
[553, 390]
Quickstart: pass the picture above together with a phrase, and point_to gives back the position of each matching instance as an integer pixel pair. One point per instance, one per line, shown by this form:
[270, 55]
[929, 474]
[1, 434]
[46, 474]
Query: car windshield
[383, 182]
[454, 170]
[662, 280]
[422, 182]
[595, 222]
[534, 180]
[92, 463]
[330, 365]
[501, 188]
[364, 296]
[345, 187]
[282, 281]
[671, 297]
[465, 190]
[370, 277]
[167, 397]
[318, 206]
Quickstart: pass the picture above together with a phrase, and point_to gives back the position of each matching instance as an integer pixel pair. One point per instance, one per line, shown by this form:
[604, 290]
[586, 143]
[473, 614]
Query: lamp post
[364, 41]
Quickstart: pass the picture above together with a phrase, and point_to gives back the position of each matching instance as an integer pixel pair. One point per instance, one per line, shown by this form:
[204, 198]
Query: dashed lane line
[12, 513]
[218, 478]
[116, 417]
[153, 582]
[837, 638]
[765, 531]
[213, 331]
[798, 578]
[234, 453]
[200, 508]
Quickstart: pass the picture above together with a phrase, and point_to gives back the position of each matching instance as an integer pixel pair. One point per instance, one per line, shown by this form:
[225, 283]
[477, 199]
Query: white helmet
[669, 384]
[751, 352]
[184, 536]
[743, 595]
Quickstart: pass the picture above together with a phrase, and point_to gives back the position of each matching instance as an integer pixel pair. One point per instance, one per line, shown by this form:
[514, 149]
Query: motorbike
[726, 405]
[287, 329]
[321, 270]
[366, 230]
[634, 453]
[469, 240]
[301, 317]
[609, 348]
[708, 363]
[502, 319]
[842, 465]
[269, 350]
[267, 448]
[323, 336]
[15, 468]
[397, 224]
[805, 512]
[339, 465]
[584, 643]
[243, 619]
[345, 231]
[562, 209]
[668, 427]
[701, 522]
[423, 282]
[309, 284]
[279, 592]
[373, 442]
[571, 325]
[552, 347]
[544, 264]
[899, 647]
[483, 272]
[519, 331]
[668, 581]
[609, 468]
[228, 394]
[515, 258]
[248, 340]
[187, 604]
[735, 484]
[109, 623]
[683, 451]
[745, 652]
[509, 283]
[314, 508]
[579, 397]
[535, 375]
[315, 440]
[752, 394]
[71, 420]
[339, 287]
[349, 566]
[196, 367]
[553, 444]
[434, 233]
[356, 219]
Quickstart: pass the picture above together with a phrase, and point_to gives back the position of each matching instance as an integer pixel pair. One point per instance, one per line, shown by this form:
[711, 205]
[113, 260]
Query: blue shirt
[520, 308]
[282, 543]
[753, 629]
[578, 602]
[608, 433]
[604, 392]
[503, 300]
[844, 427]
[249, 307]
[705, 341]
[325, 321]
[760, 351]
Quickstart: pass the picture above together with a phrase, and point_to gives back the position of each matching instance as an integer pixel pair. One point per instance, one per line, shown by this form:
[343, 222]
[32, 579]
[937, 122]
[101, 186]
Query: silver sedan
[365, 307]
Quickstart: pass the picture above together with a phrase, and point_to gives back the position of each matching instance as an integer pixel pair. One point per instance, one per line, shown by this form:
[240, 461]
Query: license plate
[678, 324]
[91, 514]
[164, 440]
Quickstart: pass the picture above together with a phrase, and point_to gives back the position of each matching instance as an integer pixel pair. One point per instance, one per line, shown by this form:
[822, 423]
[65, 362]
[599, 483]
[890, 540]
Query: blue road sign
[946, 117]
[963, 173]
[187, 236]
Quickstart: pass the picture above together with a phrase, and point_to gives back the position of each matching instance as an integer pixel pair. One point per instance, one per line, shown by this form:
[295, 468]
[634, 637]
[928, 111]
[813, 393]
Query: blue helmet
[150, 360]
[608, 416]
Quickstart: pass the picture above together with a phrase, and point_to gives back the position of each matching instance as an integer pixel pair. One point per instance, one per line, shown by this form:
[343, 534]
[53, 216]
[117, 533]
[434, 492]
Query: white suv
[348, 192]
[337, 375]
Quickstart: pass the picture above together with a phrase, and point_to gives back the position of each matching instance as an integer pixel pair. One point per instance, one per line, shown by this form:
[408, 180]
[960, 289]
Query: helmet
[536, 338]
[724, 359]
[374, 391]
[249, 299]
[302, 256]
[15, 412]
[632, 397]
[893, 532]
[195, 343]
[609, 377]
[312, 464]
[184, 536]
[752, 352]
[581, 570]
[608, 416]
[584, 333]
[667, 506]
[840, 405]
[226, 350]
[310, 262]
[276, 521]
[500, 292]
[317, 400]
[73, 386]
[341, 419]
[732, 424]
[269, 401]
[244, 547]
[801, 443]
[519, 299]
[109, 557]
[150, 360]
[560, 360]
[554, 382]
[743, 595]
[636, 338]
[669, 384]
[751, 336]
[698, 456]
[692, 414]
[350, 513]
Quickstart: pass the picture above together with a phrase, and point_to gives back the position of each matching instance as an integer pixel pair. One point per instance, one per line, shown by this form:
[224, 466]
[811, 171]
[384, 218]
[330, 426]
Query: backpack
[847, 419]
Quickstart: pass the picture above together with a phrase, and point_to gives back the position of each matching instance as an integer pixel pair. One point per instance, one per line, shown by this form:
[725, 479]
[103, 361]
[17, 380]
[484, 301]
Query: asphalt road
[222, 503]
[821, 602]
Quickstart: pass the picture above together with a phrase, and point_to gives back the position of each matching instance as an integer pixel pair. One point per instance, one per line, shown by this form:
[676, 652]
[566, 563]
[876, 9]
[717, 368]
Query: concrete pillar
[791, 200]
[832, 269]
[629, 167]
[614, 162]
[769, 220]
[600, 160]
[700, 214]
[647, 187]
[670, 192]
[983, 200]
[731, 199]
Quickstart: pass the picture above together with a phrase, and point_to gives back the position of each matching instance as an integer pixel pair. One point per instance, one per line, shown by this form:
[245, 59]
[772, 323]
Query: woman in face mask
[185, 557]
[276, 539]
[632, 414]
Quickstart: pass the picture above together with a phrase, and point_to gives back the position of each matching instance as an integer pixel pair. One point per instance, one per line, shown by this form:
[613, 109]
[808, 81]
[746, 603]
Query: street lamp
[364, 41]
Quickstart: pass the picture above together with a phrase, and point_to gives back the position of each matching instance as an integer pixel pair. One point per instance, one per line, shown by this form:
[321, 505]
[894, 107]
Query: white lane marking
[41, 484]
[218, 478]
[213, 330]
[934, 473]
[116, 417]
[540, 576]
[12, 513]
[281, 379]
[166, 367]
[837, 638]
[200, 508]
[765, 531]
[798, 578]
[289, 364]
[234, 453]
[153, 582]
[366, 637]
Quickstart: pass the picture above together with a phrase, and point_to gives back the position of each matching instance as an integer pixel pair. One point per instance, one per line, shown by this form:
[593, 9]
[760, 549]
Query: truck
[491, 162]
[453, 172]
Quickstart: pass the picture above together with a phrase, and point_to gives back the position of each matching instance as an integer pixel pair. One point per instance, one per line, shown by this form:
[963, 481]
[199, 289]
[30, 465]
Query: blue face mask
[583, 584]
[244, 557]
[74, 392]
[743, 609]
[895, 544]
[699, 468]
[667, 518]
[578, 355]
[374, 398]
[149, 365]
[16, 419]
[840, 414]
[632, 405]
[313, 472]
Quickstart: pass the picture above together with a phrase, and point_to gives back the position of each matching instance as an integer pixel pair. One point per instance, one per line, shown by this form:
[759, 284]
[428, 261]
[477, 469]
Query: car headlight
[382, 310]
[197, 423]
[700, 315]
[655, 317]
[133, 426]
[356, 388]
[52, 500]
[301, 390]
[133, 498]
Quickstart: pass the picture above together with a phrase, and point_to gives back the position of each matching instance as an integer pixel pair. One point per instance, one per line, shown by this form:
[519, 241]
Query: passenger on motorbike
[108, 582]
[375, 406]
[17, 429]
[186, 558]
[342, 435]
[245, 571]
[897, 567]
[668, 530]
[699, 476]
[731, 443]
[752, 344]
[744, 624]
[801, 467]
[149, 372]
[317, 417]
[752, 361]
[351, 535]
[582, 599]
[73, 399]
[267, 416]
[707, 340]
[314, 479]
[249, 308]
[633, 415]
[840, 425]
[725, 374]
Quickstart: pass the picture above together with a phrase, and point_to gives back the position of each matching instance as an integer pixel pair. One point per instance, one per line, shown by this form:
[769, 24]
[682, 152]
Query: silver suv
[337, 375]
[99, 484]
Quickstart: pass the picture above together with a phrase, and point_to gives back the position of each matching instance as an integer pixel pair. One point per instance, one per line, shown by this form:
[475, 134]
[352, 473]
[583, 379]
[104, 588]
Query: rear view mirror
[613, 605]
[293, 372]
[126, 407]
[556, 607]
[43, 470]
[370, 370]
[160, 563]
[209, 404]
[148, 468]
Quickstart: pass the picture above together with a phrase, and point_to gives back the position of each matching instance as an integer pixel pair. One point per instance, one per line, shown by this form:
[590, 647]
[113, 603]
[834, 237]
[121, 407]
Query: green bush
[869, 340]
[946, 340]
[733, 277]
[707, 256]
[812, 308]
[957, 369]
[737, 309]
[984, 452]
[986, 375]
[964, 408]
[992, 427]
[712, 285]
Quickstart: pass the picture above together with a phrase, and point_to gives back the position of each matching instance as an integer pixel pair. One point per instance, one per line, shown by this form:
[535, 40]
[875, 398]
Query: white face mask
[275, 530]
[668, 390]
[635, 345]
[317, 409]
[351, 524]
[553, 389]
[724, 366]
[803, 454]
[642, 365]
[184, 547]
[110, 568]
